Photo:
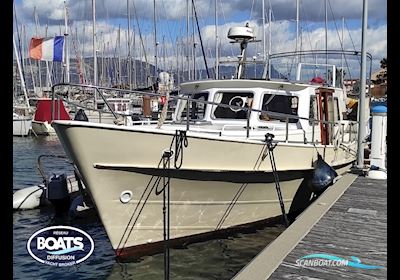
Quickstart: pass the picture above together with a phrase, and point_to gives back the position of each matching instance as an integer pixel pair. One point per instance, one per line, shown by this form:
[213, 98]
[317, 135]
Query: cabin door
[326, 113]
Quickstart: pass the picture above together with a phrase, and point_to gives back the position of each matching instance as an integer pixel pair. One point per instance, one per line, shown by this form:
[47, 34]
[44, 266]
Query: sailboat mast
[263, 32]
[119, 55]
[129, 46]
[341, 62]
[216, 42]
[269, 39]
[297, 27]
[30, 63]
[20, 72]
[94, 44]
[363, 81]
[66, 44]
[155, 40]
[326, 38]
[187, 39]
[37, 34]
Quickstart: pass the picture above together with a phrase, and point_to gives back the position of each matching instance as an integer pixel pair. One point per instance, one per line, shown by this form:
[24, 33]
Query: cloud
[173, 28]
[310, 10]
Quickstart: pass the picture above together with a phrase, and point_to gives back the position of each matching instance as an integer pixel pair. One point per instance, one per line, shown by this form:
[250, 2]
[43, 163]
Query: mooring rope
[230, 206]
[180, 141]
[260, 159]
[157, 181]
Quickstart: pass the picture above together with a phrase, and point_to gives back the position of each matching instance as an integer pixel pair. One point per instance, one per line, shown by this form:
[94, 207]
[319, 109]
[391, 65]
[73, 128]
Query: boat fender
[81, 116]
[323, 176]
[27, 198]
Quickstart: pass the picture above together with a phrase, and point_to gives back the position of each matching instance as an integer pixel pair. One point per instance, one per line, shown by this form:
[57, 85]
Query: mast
[20, 73]
[177, 61]
[187, 39]
[129, 46]
[263, 32]
[267, 68]
[155, 41]
[326, 38]
[48, 77]
[297, 28]
[94, 44]
[134, 58]
[341, 62]
[37, 34]
[66, 44]
[194, 44]
[363, 80]
[30, 62]
[216, 42]
[119, 55]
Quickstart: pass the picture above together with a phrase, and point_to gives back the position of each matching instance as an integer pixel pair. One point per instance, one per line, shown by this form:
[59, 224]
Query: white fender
[27, 198]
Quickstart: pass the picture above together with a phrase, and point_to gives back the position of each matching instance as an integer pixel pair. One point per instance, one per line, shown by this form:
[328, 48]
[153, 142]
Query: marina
[349, 219]
[155, 160]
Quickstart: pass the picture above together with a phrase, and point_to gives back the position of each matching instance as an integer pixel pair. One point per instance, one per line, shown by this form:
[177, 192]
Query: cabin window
[282, 104]
[332, 115]
[313, 111]
[197, 109]
[238, 99]
[336, 104]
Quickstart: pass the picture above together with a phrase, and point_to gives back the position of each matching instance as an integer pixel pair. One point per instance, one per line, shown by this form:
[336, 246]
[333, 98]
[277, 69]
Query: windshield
[196, 109]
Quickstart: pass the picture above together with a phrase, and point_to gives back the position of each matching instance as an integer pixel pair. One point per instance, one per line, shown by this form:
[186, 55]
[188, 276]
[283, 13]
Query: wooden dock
[348, 219]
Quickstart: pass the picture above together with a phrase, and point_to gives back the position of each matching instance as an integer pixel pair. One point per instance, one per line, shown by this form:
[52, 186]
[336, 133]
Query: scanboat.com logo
[60, 245]
[331, 260]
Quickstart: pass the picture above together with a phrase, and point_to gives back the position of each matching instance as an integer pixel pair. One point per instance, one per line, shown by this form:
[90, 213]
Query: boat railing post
[342, 132]
[313, 131]
[350, 129]
[187, 114]
[105, 101]
[287, 129]
[52, 100]
[248, 123]
[59, 108]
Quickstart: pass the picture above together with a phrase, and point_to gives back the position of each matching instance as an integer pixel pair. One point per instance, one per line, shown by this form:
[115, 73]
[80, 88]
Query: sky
[171, 26]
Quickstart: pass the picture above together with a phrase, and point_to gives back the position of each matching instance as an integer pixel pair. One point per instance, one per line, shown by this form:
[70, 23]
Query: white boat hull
[42, 128]
[214, 173]
[21, 126]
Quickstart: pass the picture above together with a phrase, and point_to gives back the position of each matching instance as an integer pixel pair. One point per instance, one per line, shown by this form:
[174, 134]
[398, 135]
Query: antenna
[243, 36]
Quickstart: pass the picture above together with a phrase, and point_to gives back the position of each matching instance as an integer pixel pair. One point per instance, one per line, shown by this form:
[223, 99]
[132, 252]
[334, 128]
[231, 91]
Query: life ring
[239, 101]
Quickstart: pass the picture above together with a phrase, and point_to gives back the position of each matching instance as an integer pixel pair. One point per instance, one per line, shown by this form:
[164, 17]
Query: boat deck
[348, 219]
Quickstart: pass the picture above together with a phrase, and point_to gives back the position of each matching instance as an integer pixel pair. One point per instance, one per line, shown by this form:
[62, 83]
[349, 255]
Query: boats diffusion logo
[60, 245]
[331, 260]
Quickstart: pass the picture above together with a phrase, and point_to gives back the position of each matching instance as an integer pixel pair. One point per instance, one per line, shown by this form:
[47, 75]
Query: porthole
[125, 196]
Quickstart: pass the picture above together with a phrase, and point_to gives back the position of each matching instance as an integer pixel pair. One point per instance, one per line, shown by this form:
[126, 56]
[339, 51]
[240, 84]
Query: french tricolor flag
[49, 48]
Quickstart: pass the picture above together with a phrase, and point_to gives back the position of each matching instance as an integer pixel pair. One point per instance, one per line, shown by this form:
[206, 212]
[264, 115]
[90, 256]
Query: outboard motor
[81, 116]
[57, 193]
[323, 176]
